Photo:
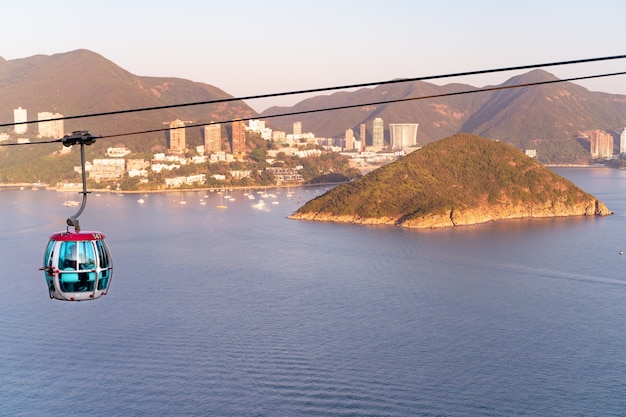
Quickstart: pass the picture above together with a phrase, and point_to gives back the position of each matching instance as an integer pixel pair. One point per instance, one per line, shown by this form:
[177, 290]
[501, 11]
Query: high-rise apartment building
[238, 143]
[256, 125]
[19, 116]
[297, 128]
[403, 135]
[362, 135]
[212, 138]
[50, 128]
[622, 141]
[349, 140]
[600, 144]
[177, 137]
[378, 133]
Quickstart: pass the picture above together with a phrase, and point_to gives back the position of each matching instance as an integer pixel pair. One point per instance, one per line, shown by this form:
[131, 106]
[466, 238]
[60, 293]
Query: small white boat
[71, 203]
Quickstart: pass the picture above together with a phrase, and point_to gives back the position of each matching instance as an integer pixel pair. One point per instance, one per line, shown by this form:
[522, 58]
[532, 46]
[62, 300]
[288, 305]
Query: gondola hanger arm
[82, 138]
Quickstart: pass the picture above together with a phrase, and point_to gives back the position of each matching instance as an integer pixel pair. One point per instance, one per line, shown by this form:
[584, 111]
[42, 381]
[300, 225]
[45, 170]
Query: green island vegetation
[461, 172]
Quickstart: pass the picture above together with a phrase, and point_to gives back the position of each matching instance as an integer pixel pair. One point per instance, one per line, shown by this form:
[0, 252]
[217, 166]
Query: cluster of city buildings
[601, 144]
[402, 137]
[48, 126]
[228, 144]
[219, 145]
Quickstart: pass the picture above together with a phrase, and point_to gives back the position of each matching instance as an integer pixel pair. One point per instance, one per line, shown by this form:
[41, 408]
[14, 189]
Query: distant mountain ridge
[82, 81]
[545, 117]
[526, 117]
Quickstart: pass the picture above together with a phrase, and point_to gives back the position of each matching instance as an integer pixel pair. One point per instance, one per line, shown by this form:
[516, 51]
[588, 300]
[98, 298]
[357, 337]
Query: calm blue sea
[243, 312]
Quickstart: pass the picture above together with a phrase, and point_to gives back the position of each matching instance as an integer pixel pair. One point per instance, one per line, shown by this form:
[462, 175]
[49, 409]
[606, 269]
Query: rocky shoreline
[468, 217]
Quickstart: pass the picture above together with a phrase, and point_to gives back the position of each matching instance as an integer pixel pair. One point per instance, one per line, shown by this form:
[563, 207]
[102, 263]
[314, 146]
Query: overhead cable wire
[324, 89]
[344, 107]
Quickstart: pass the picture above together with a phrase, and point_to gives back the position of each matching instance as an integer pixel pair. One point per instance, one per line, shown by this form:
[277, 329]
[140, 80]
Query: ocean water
[243, 312]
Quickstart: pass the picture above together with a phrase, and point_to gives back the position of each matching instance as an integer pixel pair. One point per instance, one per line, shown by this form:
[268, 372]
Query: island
[461, 180]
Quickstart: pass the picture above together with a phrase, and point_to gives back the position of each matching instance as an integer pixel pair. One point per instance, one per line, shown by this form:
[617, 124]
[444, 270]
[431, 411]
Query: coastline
[34, 186]
[467, 217]
[576, 166]
[30, 186]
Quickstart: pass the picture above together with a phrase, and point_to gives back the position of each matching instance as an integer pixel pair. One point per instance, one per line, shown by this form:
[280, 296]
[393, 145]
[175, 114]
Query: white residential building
[107, 169]
[50, 128]
[117, 152]
[19, 116]
[221, 157]
[160, 167]
[306, 153]
[241, 173]
[403, 135]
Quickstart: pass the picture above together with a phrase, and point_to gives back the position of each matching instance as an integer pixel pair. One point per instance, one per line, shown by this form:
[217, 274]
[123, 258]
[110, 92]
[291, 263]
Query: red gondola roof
[77, 236]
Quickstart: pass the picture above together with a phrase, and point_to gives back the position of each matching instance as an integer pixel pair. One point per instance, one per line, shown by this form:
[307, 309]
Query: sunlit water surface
[243, 312]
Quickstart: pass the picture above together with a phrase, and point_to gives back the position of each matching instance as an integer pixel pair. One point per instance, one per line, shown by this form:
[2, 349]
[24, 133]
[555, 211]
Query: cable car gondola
[77, 265]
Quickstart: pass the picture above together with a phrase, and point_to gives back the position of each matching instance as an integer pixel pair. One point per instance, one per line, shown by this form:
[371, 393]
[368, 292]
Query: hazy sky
[261, 47]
